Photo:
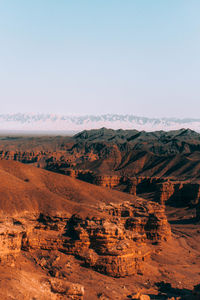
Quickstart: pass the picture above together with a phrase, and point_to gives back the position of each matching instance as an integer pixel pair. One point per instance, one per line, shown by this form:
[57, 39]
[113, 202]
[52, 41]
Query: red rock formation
[110, 231]
[116, 244]
[67, 289]
[180, 193]
[107, 180]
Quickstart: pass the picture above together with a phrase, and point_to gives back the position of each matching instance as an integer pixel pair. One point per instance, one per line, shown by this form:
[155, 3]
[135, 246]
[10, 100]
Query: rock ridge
[116, 244]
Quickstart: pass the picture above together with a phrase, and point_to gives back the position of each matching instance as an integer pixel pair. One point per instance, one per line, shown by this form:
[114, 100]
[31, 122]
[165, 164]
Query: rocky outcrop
[22, 156]
[67, 289]
[110, 181]
[140, 296]
[179, 193]
[164, 191]
[107, 180]
[115, 244]
[11, 236]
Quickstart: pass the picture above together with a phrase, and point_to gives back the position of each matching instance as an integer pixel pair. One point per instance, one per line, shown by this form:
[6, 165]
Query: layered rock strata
[115, 244]
[180, 193]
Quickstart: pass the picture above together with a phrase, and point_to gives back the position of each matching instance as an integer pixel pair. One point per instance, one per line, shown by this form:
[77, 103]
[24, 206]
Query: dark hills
[105, 151]
[158, 142]
[160, 153]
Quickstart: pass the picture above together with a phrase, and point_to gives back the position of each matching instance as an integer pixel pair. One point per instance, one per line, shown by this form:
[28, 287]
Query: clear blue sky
[139, 57]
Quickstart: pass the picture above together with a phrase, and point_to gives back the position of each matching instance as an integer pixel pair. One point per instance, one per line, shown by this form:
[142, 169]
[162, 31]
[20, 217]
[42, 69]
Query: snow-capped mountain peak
[75, 123]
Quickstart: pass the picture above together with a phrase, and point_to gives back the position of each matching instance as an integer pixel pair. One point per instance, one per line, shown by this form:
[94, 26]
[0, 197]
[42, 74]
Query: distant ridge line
[76, 123]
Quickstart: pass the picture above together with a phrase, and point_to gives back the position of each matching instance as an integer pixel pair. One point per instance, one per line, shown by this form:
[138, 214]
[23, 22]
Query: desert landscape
[104, 214]
[99, 150]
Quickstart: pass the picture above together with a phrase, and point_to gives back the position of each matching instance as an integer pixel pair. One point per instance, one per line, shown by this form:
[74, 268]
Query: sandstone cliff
[110, 232]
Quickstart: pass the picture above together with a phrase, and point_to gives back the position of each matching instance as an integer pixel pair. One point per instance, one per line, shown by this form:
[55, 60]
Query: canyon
[101, 215]
[163, 164]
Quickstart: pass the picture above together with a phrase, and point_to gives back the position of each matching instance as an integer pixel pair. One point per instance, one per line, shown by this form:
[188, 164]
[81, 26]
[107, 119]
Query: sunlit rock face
[115, 244]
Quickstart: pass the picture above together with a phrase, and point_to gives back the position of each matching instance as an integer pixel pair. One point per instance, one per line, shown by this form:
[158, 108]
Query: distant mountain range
[70, 123]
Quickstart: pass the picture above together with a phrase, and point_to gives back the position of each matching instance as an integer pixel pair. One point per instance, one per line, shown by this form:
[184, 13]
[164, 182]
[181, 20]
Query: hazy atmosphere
[96, 57]
[100, 150]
